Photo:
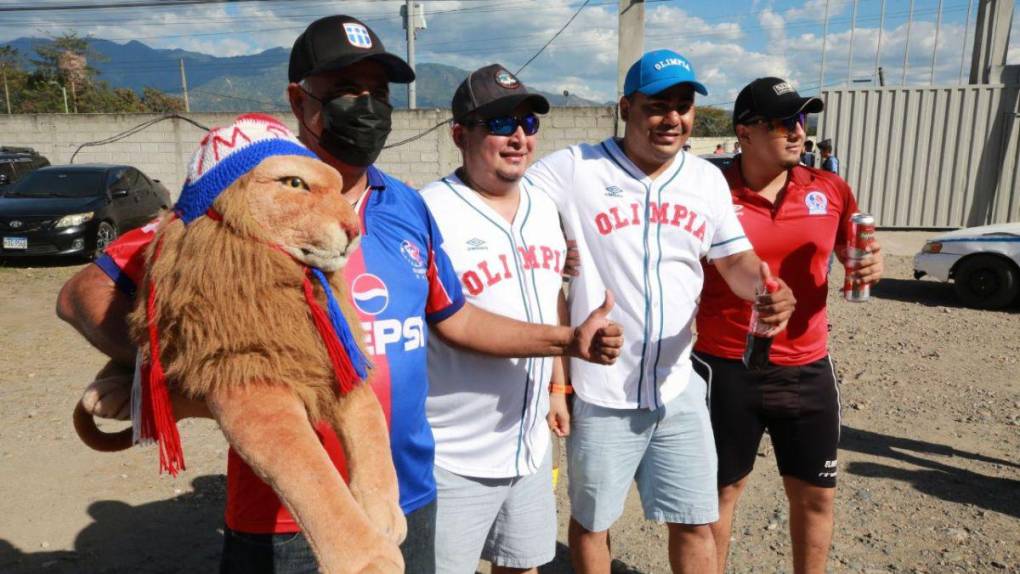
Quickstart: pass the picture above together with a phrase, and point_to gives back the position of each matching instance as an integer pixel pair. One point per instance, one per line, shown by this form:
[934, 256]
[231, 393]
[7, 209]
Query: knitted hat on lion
[224, 155]
[227, 153]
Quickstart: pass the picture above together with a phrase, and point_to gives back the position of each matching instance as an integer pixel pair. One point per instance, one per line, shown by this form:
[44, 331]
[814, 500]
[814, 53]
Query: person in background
[829, 161]
[807, 157]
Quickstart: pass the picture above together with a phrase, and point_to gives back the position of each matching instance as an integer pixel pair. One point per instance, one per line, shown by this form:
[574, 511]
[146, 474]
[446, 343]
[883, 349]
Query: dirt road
[929, 468]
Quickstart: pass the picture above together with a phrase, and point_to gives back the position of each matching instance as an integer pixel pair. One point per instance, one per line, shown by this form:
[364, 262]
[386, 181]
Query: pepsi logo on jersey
[371, 297]
[488, 273]
[675, 215]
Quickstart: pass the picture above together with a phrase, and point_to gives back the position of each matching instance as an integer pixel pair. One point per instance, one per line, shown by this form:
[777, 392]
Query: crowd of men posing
[663, 240]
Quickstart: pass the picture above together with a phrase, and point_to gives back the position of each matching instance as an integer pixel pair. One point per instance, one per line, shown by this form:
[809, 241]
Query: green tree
[156, 101]
[712, 122]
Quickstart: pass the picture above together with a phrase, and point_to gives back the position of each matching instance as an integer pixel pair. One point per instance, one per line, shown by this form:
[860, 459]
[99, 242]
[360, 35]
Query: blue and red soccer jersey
[400, 279]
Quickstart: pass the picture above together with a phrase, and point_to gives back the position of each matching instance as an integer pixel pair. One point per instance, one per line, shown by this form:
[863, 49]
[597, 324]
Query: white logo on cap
[672, 62]
[782, 88]
[357, 35]
[506, 79]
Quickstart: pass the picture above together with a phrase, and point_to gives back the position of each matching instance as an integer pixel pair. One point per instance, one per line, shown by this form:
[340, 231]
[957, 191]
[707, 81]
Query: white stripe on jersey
[644, 240]
[488, 414]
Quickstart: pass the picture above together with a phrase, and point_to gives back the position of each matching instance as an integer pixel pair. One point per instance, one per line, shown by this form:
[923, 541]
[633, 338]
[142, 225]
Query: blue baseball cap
[659, 70]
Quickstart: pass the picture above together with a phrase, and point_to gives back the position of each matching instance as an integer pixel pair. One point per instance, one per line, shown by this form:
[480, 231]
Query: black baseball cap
[335, 42]
[491, 92]
[772, 98]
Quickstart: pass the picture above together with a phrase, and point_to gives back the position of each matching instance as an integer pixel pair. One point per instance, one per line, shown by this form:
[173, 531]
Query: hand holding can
[861, 235]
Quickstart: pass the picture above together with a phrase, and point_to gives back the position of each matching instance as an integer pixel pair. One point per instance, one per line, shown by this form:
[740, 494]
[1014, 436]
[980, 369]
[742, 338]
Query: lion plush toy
[243, 307]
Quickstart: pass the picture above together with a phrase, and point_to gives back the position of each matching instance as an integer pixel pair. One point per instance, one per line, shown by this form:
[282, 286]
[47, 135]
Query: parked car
[720, 160]
[76, 209]
[17, 162]
[983, 263]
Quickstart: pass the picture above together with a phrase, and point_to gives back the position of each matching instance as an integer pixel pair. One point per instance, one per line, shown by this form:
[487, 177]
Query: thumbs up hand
[598, 340]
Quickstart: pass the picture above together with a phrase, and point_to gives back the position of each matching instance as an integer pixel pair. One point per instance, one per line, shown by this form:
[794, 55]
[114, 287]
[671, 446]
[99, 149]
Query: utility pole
[850, 59]
[630, 39]
[963, 51]
[74, 97]
[825, 37]
[6, 93]
[414, 20]
[906, 46]
[991, 41]
[935, 48]
[184, 87]
[66, 109]
[878, 49]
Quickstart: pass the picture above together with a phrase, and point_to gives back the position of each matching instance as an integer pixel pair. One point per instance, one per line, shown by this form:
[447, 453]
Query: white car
[983, 262]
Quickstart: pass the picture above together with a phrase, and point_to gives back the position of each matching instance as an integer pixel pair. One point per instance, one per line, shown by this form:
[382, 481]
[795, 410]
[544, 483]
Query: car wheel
[986, 282]
[105, 234]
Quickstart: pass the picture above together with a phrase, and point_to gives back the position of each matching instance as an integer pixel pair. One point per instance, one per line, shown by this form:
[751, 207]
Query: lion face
[297, 204]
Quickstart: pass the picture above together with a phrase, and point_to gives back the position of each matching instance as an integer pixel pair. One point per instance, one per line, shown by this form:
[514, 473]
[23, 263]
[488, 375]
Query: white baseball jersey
[642, 239]
[488, 414]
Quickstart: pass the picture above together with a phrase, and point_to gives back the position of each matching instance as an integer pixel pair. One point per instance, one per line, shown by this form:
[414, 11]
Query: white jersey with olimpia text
[487, 413]
[642, 239]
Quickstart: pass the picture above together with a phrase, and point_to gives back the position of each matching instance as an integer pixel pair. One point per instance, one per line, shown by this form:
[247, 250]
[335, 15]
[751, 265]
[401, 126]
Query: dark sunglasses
[507, 125]
[786, 126]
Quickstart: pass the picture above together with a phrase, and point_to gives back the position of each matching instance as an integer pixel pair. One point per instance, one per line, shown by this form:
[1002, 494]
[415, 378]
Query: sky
[729, 42]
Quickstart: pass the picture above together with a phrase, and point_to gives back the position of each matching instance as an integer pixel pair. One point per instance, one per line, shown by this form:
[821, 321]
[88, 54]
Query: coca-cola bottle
[759, 342]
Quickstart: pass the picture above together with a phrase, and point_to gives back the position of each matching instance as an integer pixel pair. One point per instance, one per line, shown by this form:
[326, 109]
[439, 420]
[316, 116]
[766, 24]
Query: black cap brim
[506, 105]
[397, 70]
[802, 105]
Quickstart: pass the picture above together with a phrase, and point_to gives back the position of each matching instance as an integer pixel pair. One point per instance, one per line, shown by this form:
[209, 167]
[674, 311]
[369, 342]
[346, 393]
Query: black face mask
[355, 129]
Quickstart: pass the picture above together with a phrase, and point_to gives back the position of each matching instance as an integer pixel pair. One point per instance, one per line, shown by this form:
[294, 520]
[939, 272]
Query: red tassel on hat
[158, 422]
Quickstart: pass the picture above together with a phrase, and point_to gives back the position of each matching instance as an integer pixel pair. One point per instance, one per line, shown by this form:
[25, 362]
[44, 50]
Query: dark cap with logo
[491, 92]
[772, 98]
[335, 42]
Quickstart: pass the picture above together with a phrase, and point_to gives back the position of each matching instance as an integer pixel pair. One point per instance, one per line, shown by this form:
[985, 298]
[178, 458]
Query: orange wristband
[557, 389]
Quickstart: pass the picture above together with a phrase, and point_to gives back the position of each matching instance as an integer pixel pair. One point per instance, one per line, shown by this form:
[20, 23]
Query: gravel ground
[929, 479]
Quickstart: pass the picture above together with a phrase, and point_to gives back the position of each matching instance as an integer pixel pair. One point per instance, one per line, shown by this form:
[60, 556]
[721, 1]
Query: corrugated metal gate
[940, 157]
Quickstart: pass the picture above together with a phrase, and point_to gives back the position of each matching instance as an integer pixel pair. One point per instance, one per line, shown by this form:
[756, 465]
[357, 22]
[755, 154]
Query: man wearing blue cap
[644, 214]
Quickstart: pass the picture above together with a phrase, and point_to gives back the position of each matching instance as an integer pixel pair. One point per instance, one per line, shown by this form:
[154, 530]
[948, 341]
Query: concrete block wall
[163, 150]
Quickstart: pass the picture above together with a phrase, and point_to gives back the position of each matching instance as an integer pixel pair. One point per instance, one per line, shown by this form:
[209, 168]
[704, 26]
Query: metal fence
[931, 157]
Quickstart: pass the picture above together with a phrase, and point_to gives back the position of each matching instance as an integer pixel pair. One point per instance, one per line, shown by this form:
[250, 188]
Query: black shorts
[798, 405]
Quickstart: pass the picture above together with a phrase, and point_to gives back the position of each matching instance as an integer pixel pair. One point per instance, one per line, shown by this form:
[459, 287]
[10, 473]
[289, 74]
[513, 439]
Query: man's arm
[745, 273]
[91, 303]
[597, 340]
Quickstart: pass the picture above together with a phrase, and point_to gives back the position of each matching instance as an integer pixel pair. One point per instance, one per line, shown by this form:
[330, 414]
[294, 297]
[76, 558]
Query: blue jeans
[248, 553]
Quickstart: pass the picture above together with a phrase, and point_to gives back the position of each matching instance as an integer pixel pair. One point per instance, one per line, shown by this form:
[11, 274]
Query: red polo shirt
[795, 236]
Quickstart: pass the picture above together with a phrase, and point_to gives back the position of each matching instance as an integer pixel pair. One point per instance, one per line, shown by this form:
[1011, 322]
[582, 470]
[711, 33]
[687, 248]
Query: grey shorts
[670, 452]
[508, 521]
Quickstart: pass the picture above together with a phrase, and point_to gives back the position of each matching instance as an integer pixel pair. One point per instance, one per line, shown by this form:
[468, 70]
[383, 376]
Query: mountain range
[240, 83]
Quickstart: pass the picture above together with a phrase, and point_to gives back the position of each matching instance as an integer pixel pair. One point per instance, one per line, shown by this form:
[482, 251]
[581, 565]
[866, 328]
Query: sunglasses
[786, 126]
[507, 125]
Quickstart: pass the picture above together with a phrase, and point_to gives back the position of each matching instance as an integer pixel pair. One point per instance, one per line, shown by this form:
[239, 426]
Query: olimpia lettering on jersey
[488, 414]
[400, 279]
[643, 239]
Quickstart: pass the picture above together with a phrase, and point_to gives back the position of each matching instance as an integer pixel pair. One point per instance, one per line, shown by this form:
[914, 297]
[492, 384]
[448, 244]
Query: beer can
[860, 236]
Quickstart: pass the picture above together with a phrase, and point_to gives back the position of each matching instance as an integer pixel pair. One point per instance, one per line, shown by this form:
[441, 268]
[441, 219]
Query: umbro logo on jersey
[476, 244]
[613, 191]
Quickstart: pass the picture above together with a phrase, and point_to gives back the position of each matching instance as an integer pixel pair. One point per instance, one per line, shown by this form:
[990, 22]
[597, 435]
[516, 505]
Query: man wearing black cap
[400, 280]
[796, 217]
[493, 457]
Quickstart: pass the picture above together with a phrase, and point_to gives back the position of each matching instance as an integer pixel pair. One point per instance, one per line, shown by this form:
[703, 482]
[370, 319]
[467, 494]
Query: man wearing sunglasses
[493, 457]
[644, 214]
[401, 280]
[795, 217]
